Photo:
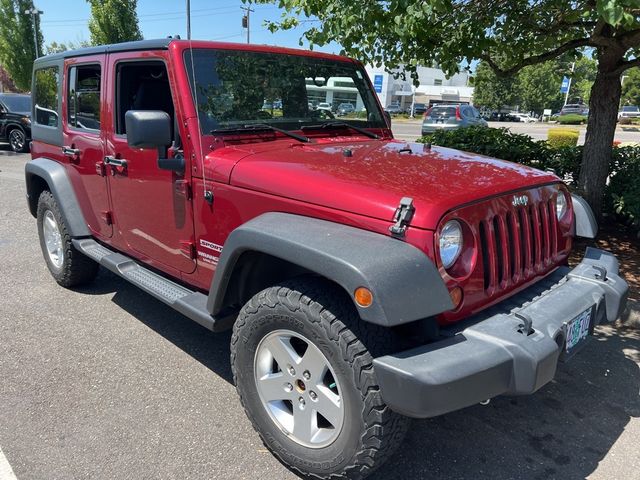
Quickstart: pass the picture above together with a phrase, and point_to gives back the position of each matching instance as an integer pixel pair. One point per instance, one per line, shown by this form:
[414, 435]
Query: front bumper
[493, 356]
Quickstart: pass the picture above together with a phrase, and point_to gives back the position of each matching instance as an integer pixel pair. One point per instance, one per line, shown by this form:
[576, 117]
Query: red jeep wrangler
[366, 279]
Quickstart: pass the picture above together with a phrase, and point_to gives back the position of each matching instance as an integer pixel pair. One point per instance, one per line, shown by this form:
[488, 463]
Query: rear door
[151, 207]
[83, 138]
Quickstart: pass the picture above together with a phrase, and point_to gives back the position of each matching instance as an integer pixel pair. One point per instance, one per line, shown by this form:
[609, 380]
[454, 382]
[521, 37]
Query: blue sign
[377, 83]
[564, 88]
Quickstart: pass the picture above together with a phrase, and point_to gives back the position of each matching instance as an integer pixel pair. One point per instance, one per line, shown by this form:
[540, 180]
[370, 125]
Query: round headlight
[450, 242]
[561, 205]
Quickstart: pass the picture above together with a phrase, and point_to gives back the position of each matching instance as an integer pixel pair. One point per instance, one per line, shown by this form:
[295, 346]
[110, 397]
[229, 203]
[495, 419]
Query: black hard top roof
[156, 44]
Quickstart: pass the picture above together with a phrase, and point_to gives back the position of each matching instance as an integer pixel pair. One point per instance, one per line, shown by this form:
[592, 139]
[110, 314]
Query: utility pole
[188, 19]
[245, 20]
[33, 11]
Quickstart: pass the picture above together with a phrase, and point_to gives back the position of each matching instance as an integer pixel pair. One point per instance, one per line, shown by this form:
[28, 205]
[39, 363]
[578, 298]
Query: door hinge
[107, 217]
[183, 187]
[188, 249]
[402, 217]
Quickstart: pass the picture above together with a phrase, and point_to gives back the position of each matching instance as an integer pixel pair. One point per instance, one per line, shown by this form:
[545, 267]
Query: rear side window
[83, 98]
[45, 96]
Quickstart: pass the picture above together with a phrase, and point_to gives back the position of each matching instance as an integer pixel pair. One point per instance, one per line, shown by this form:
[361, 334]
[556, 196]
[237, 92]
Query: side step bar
[191, 304]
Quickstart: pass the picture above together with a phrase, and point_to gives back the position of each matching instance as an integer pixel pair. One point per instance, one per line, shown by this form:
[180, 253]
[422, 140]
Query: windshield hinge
[402, 217]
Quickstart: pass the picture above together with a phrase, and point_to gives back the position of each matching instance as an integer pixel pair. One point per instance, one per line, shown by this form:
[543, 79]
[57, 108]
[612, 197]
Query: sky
[65, 21]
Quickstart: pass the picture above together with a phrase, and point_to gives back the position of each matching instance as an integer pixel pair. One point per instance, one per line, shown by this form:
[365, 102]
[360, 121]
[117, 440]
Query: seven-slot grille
[518, 243]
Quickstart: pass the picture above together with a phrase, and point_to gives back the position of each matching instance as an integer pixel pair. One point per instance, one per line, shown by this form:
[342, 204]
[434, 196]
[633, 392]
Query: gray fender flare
[405, 283]
[586, 223]
[55, 176]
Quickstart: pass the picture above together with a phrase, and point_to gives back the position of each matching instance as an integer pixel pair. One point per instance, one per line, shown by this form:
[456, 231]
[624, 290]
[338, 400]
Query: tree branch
[626, 66]
[630, 39]
[543, 57]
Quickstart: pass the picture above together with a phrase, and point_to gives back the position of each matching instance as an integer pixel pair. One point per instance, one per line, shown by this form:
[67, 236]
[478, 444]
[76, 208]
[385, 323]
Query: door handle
[118, 165]
[116, 162]
[70, 152]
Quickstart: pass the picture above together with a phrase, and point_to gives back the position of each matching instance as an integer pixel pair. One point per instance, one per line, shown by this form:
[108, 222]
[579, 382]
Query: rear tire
[325, 370]
[68, 266]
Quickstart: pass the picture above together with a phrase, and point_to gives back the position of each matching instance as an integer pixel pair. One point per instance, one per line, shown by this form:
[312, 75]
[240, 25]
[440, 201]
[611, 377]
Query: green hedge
[572, 119]
[623, 192]
[562, 137]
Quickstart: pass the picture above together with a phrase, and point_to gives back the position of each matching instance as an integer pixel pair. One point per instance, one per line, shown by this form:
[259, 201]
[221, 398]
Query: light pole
[33, 11]
[245, 20]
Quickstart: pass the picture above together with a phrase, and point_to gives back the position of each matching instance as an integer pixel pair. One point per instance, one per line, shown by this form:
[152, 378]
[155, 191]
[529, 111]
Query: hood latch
[402, 217]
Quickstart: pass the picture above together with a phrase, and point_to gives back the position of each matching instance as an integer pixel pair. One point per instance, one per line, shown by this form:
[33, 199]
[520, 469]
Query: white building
[434, 87]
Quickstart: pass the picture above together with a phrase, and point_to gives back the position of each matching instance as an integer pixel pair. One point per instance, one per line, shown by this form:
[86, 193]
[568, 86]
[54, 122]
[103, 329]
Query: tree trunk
[601, 128]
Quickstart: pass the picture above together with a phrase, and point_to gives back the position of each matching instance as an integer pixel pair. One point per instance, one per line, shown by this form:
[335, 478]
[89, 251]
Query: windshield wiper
[342, 125]
[254, 127]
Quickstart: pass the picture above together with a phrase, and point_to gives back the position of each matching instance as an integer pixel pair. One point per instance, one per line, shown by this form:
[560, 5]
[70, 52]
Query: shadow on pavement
[563, 431]
[210, 349]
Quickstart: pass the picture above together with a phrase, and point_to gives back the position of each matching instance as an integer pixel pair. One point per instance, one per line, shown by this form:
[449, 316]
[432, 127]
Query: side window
[83, 97]
[45, 96]
[142, 86]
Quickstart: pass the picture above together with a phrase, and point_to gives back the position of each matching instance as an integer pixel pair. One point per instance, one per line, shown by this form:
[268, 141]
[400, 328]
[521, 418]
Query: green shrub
[623, 191]
[624, 121]
[501, 143]
[572, 119]
[562, 137]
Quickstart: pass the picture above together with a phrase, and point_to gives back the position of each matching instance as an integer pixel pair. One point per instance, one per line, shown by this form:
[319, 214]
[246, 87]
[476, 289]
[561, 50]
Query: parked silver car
[449, 117]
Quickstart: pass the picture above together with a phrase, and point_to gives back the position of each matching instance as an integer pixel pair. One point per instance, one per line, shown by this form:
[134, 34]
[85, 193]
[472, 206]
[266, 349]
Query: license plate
[577, 330]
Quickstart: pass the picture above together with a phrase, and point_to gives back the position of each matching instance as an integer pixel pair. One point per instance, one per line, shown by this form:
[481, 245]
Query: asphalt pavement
[104, 382]
[410, 130]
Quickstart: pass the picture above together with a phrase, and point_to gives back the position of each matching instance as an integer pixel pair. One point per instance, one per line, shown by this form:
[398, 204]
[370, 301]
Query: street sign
[377, 83]
[547, 112]
[566, 81]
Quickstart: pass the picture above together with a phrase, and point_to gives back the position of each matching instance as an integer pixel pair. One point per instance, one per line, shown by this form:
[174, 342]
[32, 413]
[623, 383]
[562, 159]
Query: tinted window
[17, 103]
[630, 109]
[46, 96]
[443, 112]
[83, 101]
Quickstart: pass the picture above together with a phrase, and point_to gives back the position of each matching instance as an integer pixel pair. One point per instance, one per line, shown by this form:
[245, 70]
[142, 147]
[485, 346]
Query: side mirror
[387, 117]
[152, 129]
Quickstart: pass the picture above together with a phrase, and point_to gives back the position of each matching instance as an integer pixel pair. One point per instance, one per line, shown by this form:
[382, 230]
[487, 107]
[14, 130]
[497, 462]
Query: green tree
[539, 87]
[493, 92]
[583, 76]
[113, 21]
[631, 87]
[17, 49]
[55, 47]
[507, 35]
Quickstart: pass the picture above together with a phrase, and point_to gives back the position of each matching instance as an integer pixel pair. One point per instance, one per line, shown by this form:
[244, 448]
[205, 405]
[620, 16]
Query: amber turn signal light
[363, 297]
[456, 296]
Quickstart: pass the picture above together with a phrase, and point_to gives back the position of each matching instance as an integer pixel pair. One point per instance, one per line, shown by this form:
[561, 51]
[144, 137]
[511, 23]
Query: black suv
[15, 121]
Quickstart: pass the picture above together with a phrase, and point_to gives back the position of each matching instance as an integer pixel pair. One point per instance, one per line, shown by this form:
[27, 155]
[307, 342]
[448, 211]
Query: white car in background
[324, 106]
[524, 117]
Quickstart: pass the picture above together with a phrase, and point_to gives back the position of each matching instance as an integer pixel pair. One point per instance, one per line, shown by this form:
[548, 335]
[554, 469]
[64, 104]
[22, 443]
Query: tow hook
[526, 327]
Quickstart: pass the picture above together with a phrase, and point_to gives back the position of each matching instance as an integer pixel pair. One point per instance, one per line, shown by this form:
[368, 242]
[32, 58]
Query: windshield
[237, 88]
[443, 112]
[18, 103]
[630, 109]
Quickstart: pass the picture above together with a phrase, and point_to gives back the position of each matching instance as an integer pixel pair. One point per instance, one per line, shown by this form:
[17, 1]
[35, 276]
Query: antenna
[188, 19]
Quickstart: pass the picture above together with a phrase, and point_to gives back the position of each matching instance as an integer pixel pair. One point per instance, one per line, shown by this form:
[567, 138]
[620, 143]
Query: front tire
[307, 382]
[18, 141]
[68, 266]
